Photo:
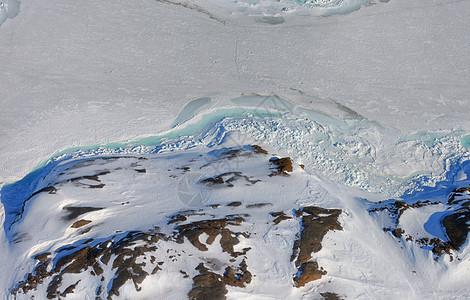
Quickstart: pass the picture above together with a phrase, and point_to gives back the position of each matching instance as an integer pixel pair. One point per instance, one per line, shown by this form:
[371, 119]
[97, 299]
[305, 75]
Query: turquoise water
[8, 9]
[465, 140]
[178, 132]
[189, 110]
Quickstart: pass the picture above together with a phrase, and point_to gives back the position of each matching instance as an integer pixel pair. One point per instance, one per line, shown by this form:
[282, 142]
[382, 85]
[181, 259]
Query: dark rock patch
[330, 296]
[185, 169]
[177, 218]
[463, 191]
[123, 251]
[18, 238]
[438, 246]
[455, 223]
[75, 211]
[228, 178]
[234, 204]
[398, 232]
[209, 285]
[279, 217]
[34, 278]
[307, 272]
[397, 208]
[69, 290]
[183, 216]
[238, 277]
[233, 152]
[316, 222]
[456, 226]
[48, 189]
[80, 223]
[258, 205]
[94, 177]
[53, 287]
[236, 152]
[280, 166]
[156, 269]
[42, 256]
[185, 275]
[102, 161]
[258, 149]
[212, 228]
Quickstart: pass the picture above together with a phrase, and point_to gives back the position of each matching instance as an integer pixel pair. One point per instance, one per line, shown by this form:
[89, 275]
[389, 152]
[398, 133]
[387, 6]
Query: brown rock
[207, 285]
[330, 296]
[69, 290]
[281, 166]
[308, 272]
[260, 150]
[228, 178]
[279, 217]
[398, 232]
[240, 279]
[87, 255]
[42, 256]
[316, 222]
[456, 226]
[212, 228]
[177, 218]
[80, 223]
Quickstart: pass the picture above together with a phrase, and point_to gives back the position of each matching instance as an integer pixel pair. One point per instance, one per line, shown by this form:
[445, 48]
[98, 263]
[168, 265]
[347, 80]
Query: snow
[94, 72]
[372, 97]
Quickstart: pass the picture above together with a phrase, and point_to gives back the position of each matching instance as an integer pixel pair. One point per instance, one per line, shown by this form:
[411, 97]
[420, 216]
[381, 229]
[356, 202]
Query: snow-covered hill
[234, 221]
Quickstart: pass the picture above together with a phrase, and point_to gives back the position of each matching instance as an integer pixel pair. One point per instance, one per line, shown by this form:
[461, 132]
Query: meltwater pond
[8, 10]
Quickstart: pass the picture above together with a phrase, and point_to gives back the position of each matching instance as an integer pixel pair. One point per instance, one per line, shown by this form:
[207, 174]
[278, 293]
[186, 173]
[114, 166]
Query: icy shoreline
[331, 140]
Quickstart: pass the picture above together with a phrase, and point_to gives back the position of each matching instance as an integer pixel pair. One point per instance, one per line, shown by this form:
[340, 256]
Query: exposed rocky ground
[316, 222]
